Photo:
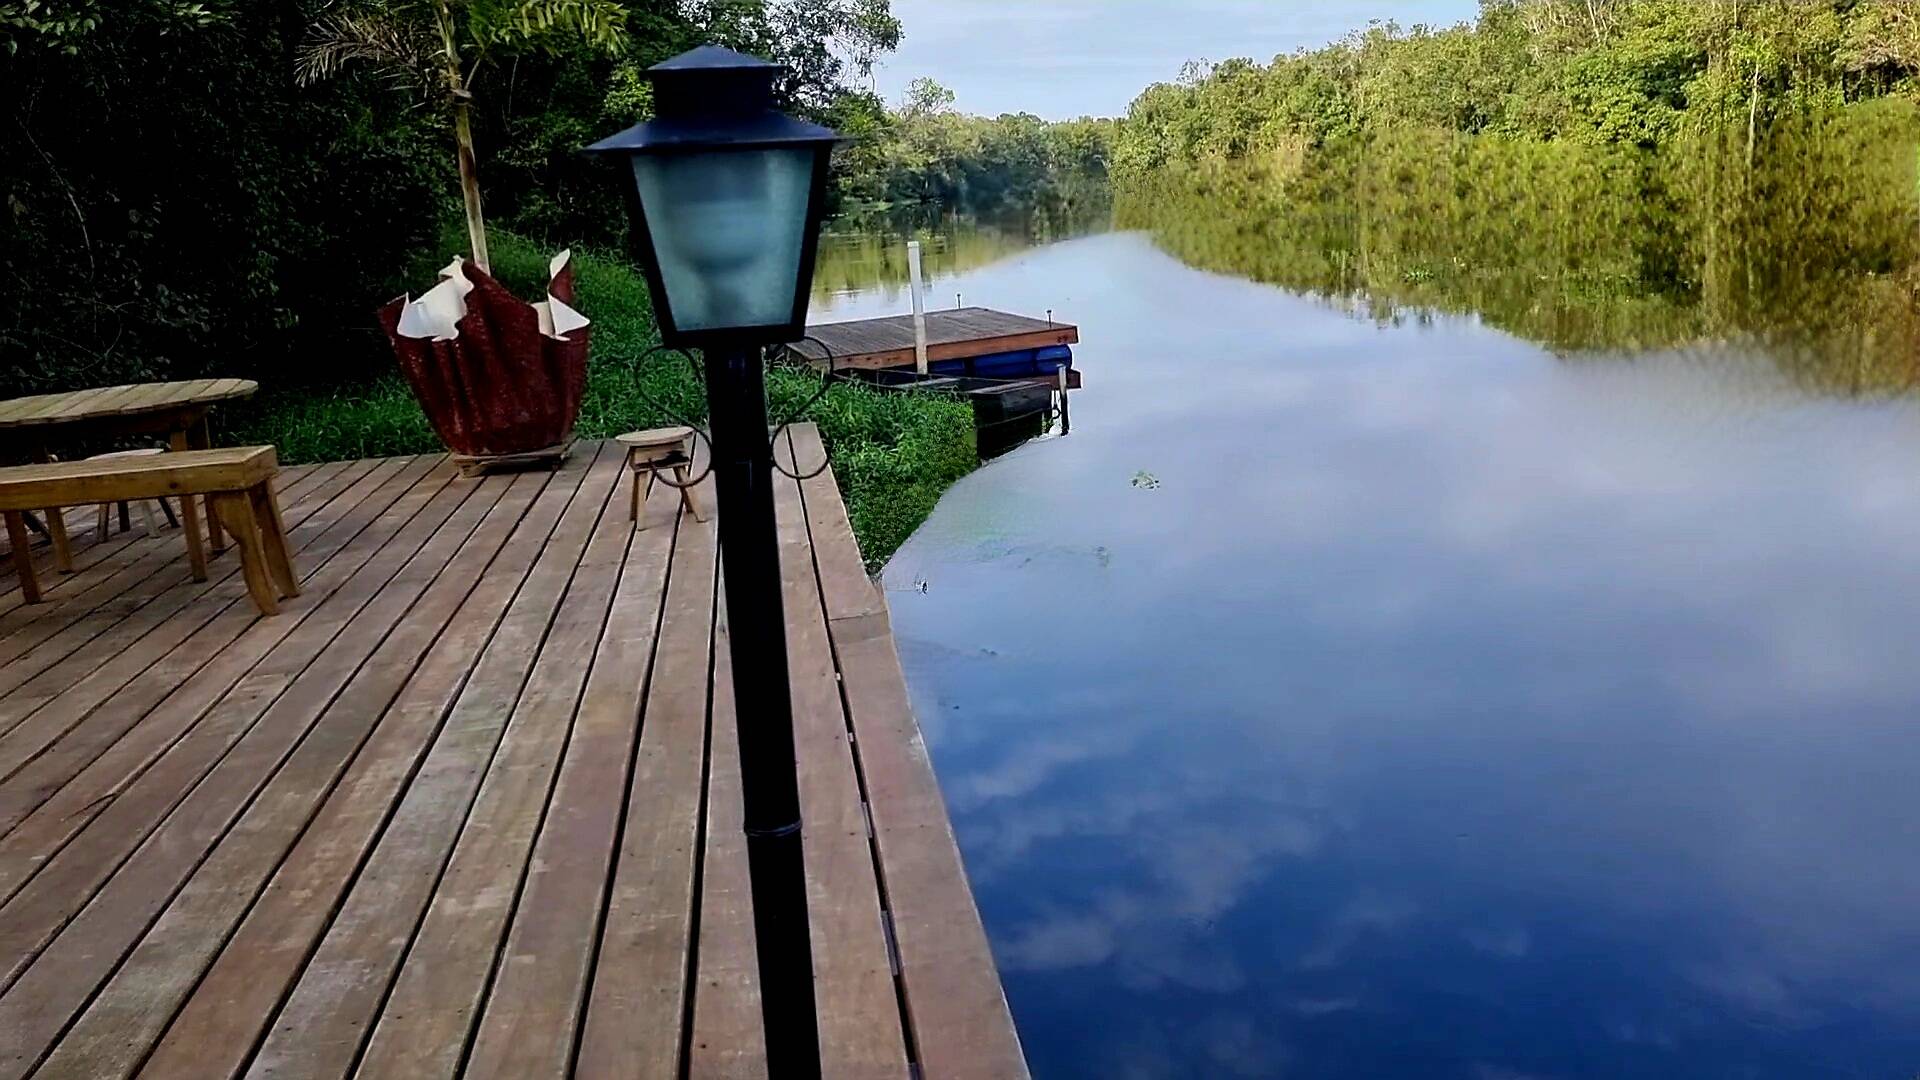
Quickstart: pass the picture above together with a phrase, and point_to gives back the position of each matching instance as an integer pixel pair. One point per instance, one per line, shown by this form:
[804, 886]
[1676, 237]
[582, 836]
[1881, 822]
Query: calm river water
[1347, 699]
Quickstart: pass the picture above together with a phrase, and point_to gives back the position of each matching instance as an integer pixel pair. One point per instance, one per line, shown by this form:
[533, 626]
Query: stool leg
[681, 477]
[166, 508]
[633, 510]
[126, 522]
[100, 524]
[640, 507]
[273, 537]
[236, 518]
[147, 520]
[22, 557]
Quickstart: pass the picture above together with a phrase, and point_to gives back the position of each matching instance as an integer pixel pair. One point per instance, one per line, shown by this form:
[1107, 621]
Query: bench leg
[200, 437]
[22, 556]
[190, 520]
[56, 527]
[57, 530]
[273, 537]
[235, 512]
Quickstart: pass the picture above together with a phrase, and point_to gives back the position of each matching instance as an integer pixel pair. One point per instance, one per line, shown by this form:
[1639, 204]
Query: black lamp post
[728, 196]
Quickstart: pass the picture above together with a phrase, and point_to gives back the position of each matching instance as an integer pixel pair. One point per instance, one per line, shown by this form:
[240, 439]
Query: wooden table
[177, 410]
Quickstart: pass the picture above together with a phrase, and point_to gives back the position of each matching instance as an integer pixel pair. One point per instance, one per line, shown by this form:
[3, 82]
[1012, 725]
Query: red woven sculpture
[497, 376]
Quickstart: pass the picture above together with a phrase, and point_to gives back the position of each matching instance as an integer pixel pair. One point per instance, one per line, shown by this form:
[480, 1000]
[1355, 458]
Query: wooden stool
[652, 451]
[105, 522]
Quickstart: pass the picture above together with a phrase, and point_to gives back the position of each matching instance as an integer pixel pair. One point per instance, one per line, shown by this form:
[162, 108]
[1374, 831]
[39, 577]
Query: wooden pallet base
[488, 464]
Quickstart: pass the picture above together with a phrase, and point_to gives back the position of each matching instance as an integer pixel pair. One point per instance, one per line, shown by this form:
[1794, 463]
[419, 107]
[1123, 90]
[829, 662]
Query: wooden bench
[236, 483]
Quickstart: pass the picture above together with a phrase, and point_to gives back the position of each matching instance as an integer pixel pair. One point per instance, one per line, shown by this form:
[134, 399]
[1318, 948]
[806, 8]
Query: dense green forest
[1614, 175]
[232, 186]
[923, 155]
[181, 200]
[1600, 72]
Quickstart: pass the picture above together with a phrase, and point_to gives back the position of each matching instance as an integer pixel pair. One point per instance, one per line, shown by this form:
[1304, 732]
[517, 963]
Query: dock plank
[212, 1036]
[54, 964]
[853, 981]
[96, 560]
[727, 1042]
[956, 1006]
[35, 715]
[187, 685]
[427, 1022]
[529, 1025]
[637, 1007]
[333, 1006]
[470, 806]
[40, 659]
[148, 988]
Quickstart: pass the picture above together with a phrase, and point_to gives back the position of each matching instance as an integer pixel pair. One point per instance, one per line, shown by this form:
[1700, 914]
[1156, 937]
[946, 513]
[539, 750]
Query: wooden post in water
[1066, 419]
[919, 308]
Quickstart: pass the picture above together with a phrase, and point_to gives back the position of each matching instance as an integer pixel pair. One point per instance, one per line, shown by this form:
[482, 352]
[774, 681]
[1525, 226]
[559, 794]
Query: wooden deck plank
[51, 703]
[105, 570]
[270, 779]
[429, 1019]
[338, 992]
[529, 1025]
[115, 552]
[112, 580]
[453, 812]
[262, 956]
[91, 725]
[116, 590]
[727, 1042]
[956, 1006]
[637, 1008]
[67, 847]
[112, 746]
[853, 980]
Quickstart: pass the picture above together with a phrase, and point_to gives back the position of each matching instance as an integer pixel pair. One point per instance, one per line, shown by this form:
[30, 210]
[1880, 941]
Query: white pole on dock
[919, 308]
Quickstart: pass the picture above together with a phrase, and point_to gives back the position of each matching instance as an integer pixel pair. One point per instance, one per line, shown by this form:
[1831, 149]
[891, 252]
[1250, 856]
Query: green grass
[894, 453]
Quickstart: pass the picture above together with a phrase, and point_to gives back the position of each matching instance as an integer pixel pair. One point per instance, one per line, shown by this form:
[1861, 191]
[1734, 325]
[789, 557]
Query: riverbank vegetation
[184, 199]
[924, 158]
[1613, 175]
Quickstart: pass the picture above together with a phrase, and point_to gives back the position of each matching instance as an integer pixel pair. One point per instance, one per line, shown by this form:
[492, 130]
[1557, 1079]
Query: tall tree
[440, 46]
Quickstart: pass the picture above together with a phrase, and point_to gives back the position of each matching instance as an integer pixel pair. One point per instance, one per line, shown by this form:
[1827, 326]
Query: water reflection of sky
[1448, 710]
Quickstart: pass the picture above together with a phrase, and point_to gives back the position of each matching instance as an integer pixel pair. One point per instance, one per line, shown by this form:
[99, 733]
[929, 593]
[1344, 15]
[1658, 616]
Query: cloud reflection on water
[1448, 703]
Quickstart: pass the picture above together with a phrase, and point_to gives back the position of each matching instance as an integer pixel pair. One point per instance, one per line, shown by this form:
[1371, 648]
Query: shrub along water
[893, 452]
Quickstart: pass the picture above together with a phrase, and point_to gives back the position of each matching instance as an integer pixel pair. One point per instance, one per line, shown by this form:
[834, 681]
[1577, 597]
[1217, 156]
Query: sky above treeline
[1066, 58]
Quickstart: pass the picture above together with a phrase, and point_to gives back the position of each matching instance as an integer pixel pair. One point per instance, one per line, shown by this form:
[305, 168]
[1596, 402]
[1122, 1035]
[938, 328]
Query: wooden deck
[957, 334]
[469, 806]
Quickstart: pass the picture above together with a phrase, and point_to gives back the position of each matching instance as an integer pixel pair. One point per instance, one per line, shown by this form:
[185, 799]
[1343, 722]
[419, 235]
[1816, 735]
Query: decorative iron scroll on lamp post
[728, 195]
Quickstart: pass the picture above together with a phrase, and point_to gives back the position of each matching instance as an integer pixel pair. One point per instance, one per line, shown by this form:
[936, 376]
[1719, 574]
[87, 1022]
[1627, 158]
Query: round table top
[107, 402]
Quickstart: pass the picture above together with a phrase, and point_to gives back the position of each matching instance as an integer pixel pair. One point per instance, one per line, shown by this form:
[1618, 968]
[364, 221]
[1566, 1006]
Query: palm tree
[439, 46]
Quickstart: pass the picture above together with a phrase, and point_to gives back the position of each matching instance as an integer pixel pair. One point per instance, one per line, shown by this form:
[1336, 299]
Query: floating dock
[954, 339]
[1009, 366]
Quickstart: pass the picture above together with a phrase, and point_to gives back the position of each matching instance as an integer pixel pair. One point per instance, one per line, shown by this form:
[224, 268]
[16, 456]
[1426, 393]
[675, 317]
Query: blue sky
[1067, 58]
